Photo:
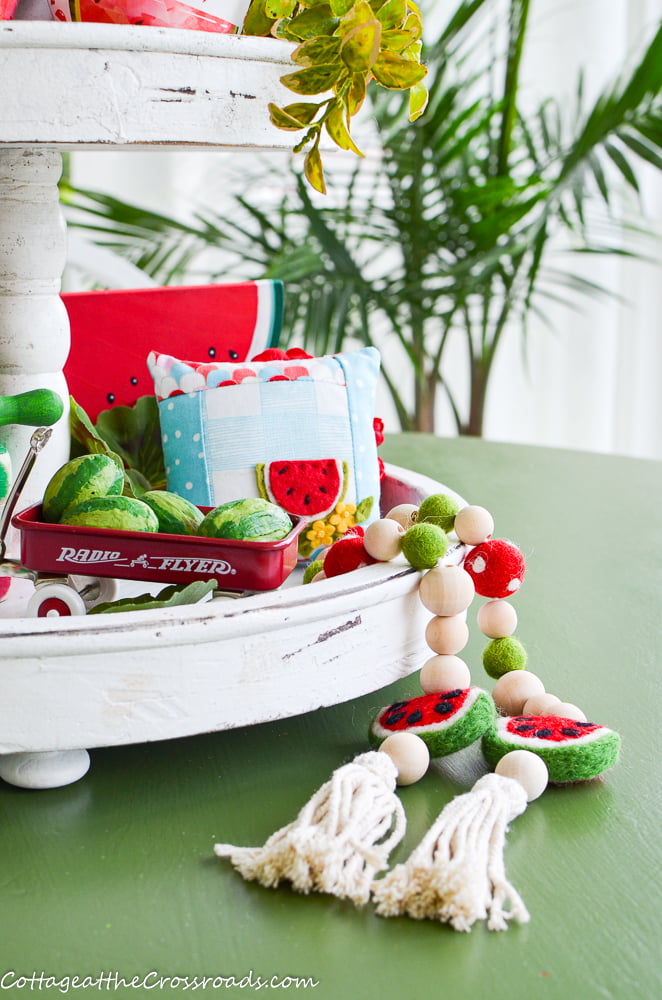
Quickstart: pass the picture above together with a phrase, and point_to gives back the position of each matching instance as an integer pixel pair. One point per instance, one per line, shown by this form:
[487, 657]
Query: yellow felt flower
[343, 518]
[320, 533]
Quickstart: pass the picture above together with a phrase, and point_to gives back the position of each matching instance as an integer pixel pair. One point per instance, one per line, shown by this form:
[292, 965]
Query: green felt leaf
[170, 597]
[364, 509]
[134, 432]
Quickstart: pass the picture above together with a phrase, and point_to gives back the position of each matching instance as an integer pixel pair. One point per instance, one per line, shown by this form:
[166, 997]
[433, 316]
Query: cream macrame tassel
[457, 874]
[341, 838]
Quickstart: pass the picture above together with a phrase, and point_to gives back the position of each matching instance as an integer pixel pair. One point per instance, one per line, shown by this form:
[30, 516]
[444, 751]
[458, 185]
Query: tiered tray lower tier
[70, 684]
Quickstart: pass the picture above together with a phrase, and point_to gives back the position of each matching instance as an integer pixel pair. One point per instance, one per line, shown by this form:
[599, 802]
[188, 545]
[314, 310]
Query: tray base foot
[46, 769]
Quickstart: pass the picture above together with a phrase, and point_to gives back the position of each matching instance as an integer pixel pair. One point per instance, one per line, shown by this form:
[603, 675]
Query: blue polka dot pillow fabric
[221, 422]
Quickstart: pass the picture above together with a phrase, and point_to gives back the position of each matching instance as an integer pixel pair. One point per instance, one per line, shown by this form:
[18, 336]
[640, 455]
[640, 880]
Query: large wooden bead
[566, 710]
[405, 514]
[526, 768]
[473, 525]
[447, 635]
[383, 539]
[497, 619]
[515, 688]
[444, 673]
[446, 590]
[409, 754]
[540, 704]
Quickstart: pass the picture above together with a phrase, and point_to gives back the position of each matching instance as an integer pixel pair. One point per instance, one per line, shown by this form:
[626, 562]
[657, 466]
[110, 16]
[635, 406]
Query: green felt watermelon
[115, 512]
[446, 722]
[306, 488]
[82, 478]
[251, 520]
[572, 751]
[177, 516]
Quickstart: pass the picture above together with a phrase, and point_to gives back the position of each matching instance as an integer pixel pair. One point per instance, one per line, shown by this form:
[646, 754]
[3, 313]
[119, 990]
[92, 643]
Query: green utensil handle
[36, 408]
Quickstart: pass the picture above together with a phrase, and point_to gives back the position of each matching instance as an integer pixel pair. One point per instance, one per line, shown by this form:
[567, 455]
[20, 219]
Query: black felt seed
[568, 731]
[392, 720]
[544, 733]
[444, 708]
[414, 717]
[396, 705]
[525, 728]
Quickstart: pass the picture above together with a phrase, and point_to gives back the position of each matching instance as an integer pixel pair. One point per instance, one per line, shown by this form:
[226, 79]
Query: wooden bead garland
[343, 836]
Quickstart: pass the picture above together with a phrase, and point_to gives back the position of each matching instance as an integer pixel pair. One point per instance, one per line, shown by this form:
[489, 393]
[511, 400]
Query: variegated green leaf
[336, 125]
[280, 118]
[340, 7]
[356, 93]
[396, 72]
[317, 21]
[392, 13]
[314, 80]
[303, 111]
[279, 8]
[360, 47]
[316, 51]
[418, 100]
[313, 170]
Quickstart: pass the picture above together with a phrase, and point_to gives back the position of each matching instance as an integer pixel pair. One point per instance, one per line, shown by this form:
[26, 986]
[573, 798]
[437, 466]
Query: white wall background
[596, 382]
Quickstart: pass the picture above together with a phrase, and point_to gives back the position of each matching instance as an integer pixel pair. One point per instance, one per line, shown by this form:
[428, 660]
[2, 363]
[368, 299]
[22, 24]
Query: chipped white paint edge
[143, 676]
[83, 86]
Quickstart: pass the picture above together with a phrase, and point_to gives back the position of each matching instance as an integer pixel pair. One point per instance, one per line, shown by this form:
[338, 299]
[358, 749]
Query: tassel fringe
[456, 874]
[341, 838]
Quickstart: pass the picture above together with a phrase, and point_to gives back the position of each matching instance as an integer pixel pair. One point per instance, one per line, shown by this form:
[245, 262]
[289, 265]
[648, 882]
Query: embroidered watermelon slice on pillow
[446, 722]
[572, 751]
[305, 488]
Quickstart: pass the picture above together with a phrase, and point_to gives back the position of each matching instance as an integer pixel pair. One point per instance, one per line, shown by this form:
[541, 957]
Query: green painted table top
[116, 874]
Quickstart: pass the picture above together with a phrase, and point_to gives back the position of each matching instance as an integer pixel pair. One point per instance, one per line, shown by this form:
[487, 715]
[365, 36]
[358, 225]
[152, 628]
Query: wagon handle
[39, 438]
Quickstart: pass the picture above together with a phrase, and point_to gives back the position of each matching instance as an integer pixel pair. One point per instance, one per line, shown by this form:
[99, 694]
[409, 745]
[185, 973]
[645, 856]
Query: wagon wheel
[55, 600]
[95, 589]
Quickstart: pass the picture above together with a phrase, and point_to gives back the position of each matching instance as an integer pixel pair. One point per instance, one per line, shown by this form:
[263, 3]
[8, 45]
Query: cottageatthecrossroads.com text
[111, 981]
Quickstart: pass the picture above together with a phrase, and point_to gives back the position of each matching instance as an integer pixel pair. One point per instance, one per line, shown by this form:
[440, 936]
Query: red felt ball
[346, 554]
[496, 567]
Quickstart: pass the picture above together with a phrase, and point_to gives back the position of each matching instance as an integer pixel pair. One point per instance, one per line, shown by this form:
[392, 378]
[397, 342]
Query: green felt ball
[312, 569]
[423, 545]
[439, 509]
[503, 655]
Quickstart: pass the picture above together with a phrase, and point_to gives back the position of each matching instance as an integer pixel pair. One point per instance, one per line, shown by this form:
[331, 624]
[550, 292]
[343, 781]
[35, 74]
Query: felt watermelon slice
[305, 488]
[113, 331]
[446, 722]
[572, 751]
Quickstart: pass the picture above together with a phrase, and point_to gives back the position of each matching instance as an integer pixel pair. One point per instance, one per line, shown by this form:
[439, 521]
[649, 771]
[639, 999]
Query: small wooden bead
[446, 590]
[409, 754]
[444, 673]
[497, 619]
[526, 768]
[447, 635]
[383, 539]
[515, 688]
[405, 514]
[473, 525]
[566, 710]
[539, 704]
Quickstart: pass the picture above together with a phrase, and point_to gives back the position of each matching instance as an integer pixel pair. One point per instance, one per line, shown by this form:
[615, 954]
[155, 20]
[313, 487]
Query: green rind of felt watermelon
[83, 478]
[176, 515]
[574, 759]
[452, 733]
[268, 524]
[116, 513]
[318, 508]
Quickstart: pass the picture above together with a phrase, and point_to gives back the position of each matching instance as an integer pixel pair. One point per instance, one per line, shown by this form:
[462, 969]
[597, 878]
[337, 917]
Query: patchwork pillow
[298, 431]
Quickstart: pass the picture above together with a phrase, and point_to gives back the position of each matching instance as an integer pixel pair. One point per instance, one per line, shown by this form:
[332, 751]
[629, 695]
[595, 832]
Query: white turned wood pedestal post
[34, 327]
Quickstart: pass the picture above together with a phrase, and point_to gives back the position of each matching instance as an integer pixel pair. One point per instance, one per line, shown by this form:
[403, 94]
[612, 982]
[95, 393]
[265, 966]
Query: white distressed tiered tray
[69, 684]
